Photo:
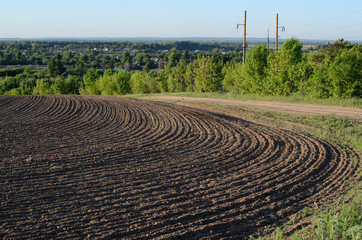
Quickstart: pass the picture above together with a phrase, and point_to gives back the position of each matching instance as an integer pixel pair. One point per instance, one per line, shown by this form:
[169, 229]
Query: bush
[43, 87]
[115, 84]
[143, 83]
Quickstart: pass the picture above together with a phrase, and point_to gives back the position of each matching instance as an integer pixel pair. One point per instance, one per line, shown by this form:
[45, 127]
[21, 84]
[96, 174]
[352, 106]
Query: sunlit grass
[348, 102]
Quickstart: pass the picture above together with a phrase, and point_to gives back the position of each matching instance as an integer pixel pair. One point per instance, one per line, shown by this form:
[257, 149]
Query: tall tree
[284, 69]
[177, 79]
[208, 76]
[255, 67]
[115, 84]
[173, 58]
[56, 67]
[90, 80]
[345, 73]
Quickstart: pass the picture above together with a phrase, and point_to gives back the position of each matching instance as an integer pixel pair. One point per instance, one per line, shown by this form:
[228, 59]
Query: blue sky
[318, 19]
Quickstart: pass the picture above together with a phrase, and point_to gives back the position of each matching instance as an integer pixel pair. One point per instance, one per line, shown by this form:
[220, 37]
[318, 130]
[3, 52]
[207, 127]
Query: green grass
[341, 220]
[349, 102]
[341, 130]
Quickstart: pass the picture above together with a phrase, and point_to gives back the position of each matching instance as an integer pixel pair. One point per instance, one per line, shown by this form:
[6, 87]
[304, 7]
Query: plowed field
[108, 167]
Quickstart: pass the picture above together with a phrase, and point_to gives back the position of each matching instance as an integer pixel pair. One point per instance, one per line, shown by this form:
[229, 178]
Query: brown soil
[297, 108]
[75, 167]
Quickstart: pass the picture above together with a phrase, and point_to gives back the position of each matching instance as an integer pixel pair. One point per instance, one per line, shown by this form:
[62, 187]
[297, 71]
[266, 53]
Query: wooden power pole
[276, 36]
[244, 39]
[268, 40]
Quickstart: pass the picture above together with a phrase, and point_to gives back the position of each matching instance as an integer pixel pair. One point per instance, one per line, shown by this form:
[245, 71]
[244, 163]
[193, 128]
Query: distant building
[161, 65]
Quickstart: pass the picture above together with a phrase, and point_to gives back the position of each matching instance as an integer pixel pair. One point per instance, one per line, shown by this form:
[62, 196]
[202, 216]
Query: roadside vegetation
[294, 98]
[339, 219]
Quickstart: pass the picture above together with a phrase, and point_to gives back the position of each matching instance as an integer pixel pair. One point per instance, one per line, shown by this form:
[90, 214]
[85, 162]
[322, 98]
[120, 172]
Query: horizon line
[166, 38]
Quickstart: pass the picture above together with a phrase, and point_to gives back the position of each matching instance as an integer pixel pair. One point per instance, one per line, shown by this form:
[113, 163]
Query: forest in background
[332, 70]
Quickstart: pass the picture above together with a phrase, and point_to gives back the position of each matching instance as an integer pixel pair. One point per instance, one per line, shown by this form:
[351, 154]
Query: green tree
[7, 84]
[283, 72]
[68, 85]
[161, 78]
[177, 78]
[208, 75]
[190, 78]
[139, 58]
[234, 78]
[58, 86]
[255, 67]
[56, 67]
[24, 89]
[336, 71]
[107, 62]
[173, 58]
[20, 57]
[116, 84]
[90, 82]
[345, 73]
[43, 87]
[126, 58]
[186, 56]
[143, 83]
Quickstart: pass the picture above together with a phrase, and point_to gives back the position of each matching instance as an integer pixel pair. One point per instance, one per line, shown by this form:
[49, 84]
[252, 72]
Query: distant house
[141, 65]
[161, 65]
[130, 67]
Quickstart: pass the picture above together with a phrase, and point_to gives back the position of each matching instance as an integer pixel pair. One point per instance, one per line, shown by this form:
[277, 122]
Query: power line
[272, 4]
[329, 32]
[345, 35]
[334, 29]
[327, 20]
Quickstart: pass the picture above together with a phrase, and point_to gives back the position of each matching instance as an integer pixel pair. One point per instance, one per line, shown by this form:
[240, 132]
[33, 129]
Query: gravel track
[294, 108]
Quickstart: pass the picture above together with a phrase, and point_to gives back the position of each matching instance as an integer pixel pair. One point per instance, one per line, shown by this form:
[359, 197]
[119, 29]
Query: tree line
[106, 55]
[334, 72]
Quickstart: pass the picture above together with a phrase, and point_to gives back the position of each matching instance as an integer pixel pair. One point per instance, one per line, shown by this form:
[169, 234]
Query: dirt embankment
[75, 167]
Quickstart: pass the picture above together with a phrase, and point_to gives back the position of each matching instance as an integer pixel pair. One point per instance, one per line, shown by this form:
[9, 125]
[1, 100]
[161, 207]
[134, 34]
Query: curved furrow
[109, 167]
[29, 106]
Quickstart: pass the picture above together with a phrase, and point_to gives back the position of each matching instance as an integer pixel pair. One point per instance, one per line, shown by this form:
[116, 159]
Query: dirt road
[350, 112]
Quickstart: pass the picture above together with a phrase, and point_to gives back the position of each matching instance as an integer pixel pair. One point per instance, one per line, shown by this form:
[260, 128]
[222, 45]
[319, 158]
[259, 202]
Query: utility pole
[276, 37]
[244, 39]
[268, 40]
